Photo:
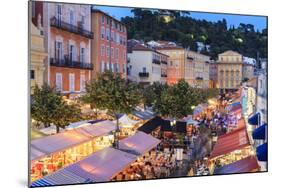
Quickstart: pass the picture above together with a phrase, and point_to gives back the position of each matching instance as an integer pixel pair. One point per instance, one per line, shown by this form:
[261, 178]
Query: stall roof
[98, 129]
[125, 121]
[248, 164]
[139, 143]
[241, 123]
[99, 167]
[61, 141]
[151, 125]
[57, 142]
[143, 114]
[229, 142]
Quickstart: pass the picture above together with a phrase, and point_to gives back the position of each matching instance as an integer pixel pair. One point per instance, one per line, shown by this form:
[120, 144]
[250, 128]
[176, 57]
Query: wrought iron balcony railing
[70, 63]
[143, 74]
[164, 62]
[163, 75]
[71, 28]
[155, 61]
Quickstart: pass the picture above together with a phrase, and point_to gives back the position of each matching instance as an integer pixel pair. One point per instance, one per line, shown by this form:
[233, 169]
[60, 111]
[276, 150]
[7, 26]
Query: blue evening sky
[258, 21]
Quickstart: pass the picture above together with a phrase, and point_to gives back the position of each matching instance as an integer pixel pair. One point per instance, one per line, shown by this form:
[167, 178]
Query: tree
[44, 102]
[177, 100]
[47, 106]
[117, 95]
[92, 96]
[152, 94]
[64, 114]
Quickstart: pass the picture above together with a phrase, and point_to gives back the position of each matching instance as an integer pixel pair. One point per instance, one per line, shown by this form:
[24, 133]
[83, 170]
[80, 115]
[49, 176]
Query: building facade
[248, 68]
[213, 67]
[176, 62]
[229, 70]
[109, 50]
[37, 57]
[68, 40]
[198, 75]
[147, 65]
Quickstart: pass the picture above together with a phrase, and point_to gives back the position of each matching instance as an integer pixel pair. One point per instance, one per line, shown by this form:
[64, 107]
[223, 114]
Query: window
[72, 53]
[102, 66]
[117, 38]
[82, 82]
[71, 17]
[82, 21]
[82, 55]
[124, 55]
[71, 82]
[107, 20]
[107, 33]
[124, 68]
[32, 74]
[102, 19]
[117, 53]
[108, 66]
[102, 50]
[112, 67]
[102, 32]
[59, 81]
[59, 14]
[58, 50]
[112, 35]
[107, 51]
[112, 52]
[144, 69]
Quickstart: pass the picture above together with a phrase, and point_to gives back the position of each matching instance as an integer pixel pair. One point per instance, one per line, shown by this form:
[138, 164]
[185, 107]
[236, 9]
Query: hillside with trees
[186, 31]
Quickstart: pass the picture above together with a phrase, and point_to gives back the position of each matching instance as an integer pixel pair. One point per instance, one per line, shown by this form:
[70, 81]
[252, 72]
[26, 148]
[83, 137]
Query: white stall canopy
[101, 166]
[139, 143]
[62, 141]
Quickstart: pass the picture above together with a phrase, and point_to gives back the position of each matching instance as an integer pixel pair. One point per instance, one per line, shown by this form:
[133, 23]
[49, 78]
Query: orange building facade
[69, 46]
[176, 63]
[110, 44]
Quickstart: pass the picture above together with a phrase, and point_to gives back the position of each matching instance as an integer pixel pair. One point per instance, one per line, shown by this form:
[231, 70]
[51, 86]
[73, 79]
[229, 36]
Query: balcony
[143, 74]
[199, 78]
[70, 64]
[164, 62]
[156, 61]
[163, 75]
[71, 28]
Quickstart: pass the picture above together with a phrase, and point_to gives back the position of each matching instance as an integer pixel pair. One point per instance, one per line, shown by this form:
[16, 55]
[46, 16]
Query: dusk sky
[258, 21]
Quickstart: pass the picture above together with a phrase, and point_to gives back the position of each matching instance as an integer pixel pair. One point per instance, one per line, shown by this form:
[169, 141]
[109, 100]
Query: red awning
[229, 142]
[248, 164]
[241, 123]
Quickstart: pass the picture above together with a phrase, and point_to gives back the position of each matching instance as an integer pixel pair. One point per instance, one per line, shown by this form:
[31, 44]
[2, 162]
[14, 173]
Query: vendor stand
[101, 166]
[229, 148]
[50, 153]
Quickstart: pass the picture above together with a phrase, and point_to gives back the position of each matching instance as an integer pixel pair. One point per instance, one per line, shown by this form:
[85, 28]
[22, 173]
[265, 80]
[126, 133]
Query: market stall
[127, 125]
[230, 147]
[248, 164]
[50, 153]
[101, 166]
[140, 143]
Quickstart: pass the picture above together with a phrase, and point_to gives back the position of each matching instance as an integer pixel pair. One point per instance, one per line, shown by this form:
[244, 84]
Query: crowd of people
[155, 164]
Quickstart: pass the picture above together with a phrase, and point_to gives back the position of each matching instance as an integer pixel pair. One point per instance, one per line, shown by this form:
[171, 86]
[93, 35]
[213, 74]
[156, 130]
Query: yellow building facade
[229, 70]
[37, 56]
